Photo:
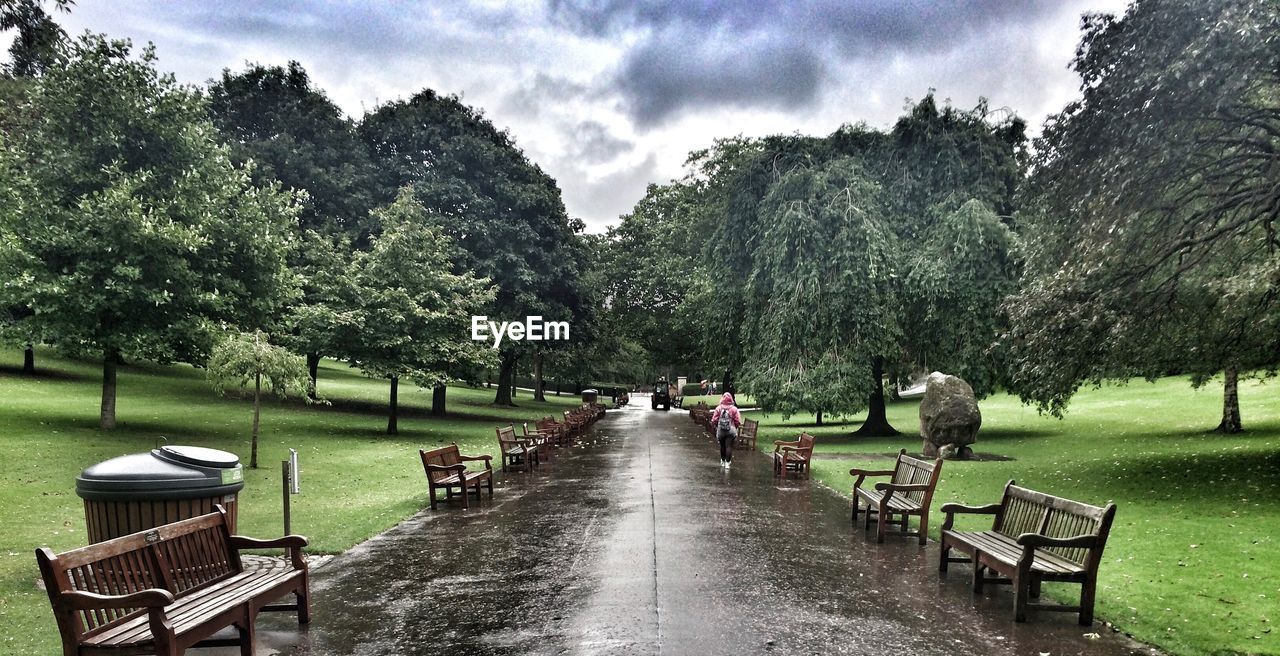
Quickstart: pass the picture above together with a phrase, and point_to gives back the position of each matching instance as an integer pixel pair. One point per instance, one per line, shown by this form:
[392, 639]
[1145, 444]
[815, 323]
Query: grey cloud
[605, 199]
[542, 91]
[775, 54]
[660, 78]
[595, 144]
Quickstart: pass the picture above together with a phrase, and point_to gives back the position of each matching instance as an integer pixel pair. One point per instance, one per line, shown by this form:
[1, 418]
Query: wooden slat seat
[1034, 537]
[446, 469]
[188, 613]
[908, 493]
[167, 589]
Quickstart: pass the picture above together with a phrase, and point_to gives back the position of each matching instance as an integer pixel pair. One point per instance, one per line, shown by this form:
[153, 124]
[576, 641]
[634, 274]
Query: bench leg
[924, 528]
[883, 519]
[1087, 591]
[490, 487]
[465, 496]
[978, 574]
[866, 521]
[944, 557]
[247, 636]
[1021, 592]
[1035, 588]
[855, 508]
[433, 497]
[304, 600]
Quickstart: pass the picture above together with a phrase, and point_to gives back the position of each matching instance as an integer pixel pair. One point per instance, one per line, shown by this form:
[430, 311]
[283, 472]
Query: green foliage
[504, 212]
[955, 282]
[834, 254]
[275, 117]
[135, 233]
[411, 314]
[821, 300]
[1151, 214]
[241, 359]
[324, 313]
[39, 40]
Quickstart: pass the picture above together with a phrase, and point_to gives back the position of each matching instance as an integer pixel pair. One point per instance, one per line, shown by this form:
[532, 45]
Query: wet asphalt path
[636, 542]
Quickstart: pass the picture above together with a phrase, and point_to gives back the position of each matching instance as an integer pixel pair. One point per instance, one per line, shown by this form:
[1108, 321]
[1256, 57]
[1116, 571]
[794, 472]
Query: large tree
[504, 212]
[138, 232]
[412, 313]
[277, 118]
[893, 244]
[1154, 205]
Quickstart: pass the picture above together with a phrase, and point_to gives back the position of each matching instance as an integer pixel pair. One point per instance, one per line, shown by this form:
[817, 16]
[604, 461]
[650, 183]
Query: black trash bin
[590, 395]
[144, 490]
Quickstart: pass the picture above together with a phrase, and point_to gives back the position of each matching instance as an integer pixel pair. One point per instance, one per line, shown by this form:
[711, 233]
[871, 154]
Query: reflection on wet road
[638, 543]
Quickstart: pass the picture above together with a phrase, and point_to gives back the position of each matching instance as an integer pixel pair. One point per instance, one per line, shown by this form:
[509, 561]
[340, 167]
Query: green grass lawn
[1193, 563]
[356, 480]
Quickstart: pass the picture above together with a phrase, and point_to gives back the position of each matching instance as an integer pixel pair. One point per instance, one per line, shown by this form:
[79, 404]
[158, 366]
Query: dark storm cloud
[776, 55]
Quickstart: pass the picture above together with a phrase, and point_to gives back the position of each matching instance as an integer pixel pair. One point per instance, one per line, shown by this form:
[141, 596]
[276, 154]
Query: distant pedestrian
[726, 419]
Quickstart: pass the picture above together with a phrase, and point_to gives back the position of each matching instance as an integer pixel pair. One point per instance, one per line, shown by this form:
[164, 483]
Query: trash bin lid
[590, 391]
[172, 472]
[197, 455]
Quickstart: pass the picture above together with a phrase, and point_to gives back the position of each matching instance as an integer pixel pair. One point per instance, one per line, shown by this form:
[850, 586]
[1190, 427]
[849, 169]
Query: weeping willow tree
[843, 261]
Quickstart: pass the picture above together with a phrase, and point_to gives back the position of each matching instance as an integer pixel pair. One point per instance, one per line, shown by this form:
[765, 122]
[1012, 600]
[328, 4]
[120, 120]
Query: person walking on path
[726, 419]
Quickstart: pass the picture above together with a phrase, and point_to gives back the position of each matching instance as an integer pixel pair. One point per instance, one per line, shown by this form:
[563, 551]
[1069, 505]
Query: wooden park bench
[516, 452]
[545, 440]
[445, 469]
[558, 431]
[747, 434]
[167, 589]
[1035, 537]
[908, 493]
[792, 456]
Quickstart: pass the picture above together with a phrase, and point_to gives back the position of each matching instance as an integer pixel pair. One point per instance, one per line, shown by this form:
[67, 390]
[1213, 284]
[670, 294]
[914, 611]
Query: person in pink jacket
[726, 420]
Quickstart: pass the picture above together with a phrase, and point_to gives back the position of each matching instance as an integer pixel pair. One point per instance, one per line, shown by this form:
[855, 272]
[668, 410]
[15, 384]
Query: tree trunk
[537, 378]
[392, 429]
[107, 415]
[257, 409]
[313, 367]
[1230, 403]
[29, 360]
[506, 374]
[729, 387]
[557, 386]
[877, 424]
[819, 422]
[438, 394]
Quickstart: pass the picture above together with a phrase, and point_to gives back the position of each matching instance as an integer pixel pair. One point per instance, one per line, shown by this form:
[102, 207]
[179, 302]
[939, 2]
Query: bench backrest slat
[1028, 511]
[443, 456]
[749, 428]
[914, 471]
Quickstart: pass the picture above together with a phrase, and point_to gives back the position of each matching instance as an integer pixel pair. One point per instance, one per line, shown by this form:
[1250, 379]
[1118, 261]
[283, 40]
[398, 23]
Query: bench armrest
[78, 600]
[447, 468]
[1037, 541]
[903, 487]
[870, 472]
[953, 509]
[961, 509]
[286, 542]
[484, 456]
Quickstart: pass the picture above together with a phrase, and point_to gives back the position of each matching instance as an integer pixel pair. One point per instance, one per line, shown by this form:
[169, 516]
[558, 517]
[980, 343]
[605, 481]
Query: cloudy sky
[609, 96]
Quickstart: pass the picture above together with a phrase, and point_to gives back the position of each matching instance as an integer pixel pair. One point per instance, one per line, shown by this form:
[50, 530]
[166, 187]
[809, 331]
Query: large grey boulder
[949, 417]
